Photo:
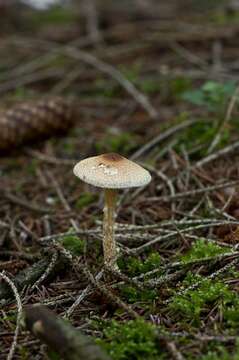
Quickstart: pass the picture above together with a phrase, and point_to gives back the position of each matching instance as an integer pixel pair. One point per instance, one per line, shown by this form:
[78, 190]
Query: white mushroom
[111, 171]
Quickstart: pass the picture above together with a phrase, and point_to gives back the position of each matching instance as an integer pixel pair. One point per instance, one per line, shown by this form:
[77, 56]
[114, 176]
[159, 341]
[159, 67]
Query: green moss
[86, 199]
[134, 340]
[193, 303]
[231, 314]
[136, 266]
[74, 244]
[203, 249]
[133, 295]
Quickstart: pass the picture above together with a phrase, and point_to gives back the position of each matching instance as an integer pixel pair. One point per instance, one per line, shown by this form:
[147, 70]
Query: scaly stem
[109, 245]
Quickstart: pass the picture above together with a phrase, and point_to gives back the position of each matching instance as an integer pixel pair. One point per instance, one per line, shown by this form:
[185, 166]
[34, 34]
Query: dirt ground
[156, 82]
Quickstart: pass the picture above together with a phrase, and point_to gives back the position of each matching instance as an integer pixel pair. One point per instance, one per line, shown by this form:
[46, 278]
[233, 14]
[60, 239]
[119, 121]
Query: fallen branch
[32, 274]
[60, 336]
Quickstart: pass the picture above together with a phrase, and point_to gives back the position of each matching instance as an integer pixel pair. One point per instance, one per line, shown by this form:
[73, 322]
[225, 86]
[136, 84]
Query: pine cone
[34, 121]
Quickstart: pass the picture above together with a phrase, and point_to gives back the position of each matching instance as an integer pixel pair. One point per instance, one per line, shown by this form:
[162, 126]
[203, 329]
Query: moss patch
[134, 340]
[74, 244]
[203, 249]
[191, 305]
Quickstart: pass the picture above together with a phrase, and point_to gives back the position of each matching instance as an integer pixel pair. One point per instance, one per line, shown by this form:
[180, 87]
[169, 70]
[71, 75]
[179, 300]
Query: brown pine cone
[34, 121]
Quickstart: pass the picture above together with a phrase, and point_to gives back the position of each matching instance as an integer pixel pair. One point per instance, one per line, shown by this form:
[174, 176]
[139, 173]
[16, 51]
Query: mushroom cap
[111, 171]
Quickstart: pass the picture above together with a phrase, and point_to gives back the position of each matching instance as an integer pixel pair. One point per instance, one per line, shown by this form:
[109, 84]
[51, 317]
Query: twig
[24, 203]
[102, 66]
[193, 192]
[19, 314]
[225, 151]
[60, 336]
[210, 277]
[50, 238]
[83, 295]
[229, 111]
[116, 75]
[161, 137]
[163, 279]
[49, 159]
[173, 233]
[112, 297]
[168, 182]
[31, 78]
[124, 278]
[189, 56]
[48, 270]
[176, 355]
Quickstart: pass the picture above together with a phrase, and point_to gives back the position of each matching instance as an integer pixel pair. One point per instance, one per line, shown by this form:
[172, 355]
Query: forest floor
[163, 93]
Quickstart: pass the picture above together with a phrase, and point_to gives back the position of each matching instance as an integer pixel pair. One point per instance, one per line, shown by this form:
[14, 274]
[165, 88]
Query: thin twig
[19, 314]
[112, 297]
[229, 111]
[173, 233]
[102, 66]
[48, 270]
[83, 295]
[222, 152]
[193, 192]
[161, 137]
[24, 203]
[200, 282]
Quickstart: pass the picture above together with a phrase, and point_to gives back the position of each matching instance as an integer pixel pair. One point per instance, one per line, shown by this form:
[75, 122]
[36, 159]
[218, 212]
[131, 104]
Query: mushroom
[111, 171]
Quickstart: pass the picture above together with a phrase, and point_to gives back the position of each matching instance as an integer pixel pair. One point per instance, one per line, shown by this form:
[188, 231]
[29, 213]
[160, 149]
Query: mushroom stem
[109, 244]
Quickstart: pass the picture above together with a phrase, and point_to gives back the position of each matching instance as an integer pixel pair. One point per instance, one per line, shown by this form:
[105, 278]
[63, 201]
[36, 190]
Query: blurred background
[145, 39]
[131, 68]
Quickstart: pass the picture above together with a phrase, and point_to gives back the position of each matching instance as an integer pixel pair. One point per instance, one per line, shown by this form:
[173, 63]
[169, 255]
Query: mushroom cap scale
[111, 171]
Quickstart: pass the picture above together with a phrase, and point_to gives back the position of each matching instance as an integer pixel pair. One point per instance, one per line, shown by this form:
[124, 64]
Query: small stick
[82, 296]
[162, 136]
[226, 150]
[173, 233]
[19, 314]
[112, 297]
[24, 203]
[60, 336]
[195, 192]
[212, 276]
[48, 270]
[229, 111]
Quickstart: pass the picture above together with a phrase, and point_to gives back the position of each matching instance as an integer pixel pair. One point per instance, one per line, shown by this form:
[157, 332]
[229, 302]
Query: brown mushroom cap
[111, 171]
